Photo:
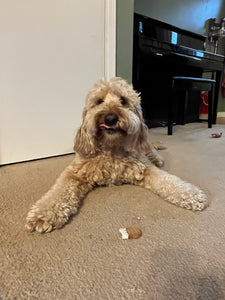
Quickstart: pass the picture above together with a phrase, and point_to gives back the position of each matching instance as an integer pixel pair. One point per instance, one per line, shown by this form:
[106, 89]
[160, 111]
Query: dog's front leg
[54, 209]
[173, 189]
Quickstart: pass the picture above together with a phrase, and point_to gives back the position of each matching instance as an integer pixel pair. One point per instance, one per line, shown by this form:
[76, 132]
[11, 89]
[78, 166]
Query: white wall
[51, 53]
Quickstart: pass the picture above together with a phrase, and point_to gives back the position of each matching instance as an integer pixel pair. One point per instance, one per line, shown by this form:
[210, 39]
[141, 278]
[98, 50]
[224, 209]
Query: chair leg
[170, 111]
[183, 122]
[170, 121]
[170, 128]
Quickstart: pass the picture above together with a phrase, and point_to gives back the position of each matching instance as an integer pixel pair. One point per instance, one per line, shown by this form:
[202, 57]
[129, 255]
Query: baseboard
[221, 114]
[220, 118]
[203, 116]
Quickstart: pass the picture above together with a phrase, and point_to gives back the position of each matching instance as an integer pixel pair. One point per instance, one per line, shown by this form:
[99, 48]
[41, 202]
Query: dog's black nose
[111, 119]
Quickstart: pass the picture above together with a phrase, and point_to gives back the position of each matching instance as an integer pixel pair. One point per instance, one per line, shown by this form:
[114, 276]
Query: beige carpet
[181, 254]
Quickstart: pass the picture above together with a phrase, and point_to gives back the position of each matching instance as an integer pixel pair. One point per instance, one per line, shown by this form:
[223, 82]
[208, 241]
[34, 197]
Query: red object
[204, 105]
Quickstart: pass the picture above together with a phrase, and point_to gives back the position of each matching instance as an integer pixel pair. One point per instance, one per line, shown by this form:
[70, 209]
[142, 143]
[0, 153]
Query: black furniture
[161, 51]
[188, 84]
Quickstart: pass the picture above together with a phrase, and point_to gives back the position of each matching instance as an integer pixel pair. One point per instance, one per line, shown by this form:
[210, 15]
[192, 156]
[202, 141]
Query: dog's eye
[123, 101]
[100, 101]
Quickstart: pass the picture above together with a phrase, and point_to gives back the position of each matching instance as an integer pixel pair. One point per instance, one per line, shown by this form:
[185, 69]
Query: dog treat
[216, 135]
[130, 233]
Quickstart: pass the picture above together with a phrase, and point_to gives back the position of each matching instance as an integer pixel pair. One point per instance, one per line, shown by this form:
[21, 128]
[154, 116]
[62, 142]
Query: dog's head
[112, 120]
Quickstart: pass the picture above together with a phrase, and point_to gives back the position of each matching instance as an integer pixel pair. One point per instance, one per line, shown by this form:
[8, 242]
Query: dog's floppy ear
[84, 143]
[143, 144]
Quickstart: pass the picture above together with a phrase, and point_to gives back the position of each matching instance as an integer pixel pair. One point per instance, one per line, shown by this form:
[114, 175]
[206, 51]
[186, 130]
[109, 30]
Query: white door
[51, 53]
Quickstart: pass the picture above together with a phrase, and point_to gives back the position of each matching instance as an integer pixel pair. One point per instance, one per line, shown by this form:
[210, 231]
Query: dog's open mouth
[108, 129]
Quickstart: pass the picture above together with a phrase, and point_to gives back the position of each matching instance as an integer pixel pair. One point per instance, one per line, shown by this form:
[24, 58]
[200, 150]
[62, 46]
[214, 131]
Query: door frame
[110, 39]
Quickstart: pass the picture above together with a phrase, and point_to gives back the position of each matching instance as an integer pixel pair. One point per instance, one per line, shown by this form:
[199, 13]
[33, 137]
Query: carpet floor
[181, 254]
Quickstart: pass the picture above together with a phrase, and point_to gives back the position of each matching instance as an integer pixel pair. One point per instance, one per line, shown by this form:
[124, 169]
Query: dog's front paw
[199, 201]
[155, 158]
[195, 200]
[39, 221]
[158, 161]
[44, 220]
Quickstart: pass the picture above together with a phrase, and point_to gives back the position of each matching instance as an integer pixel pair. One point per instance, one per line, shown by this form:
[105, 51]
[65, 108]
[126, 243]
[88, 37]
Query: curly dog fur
[112, 147]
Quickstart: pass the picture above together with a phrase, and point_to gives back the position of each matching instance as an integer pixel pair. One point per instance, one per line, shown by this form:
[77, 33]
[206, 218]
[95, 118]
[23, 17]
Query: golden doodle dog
[112, 147]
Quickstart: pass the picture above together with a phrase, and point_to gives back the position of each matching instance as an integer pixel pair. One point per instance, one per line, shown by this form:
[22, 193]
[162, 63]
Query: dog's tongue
[105, 126]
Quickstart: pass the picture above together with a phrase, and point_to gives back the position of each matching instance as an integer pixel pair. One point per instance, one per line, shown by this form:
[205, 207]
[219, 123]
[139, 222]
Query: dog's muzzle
[110, 121]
